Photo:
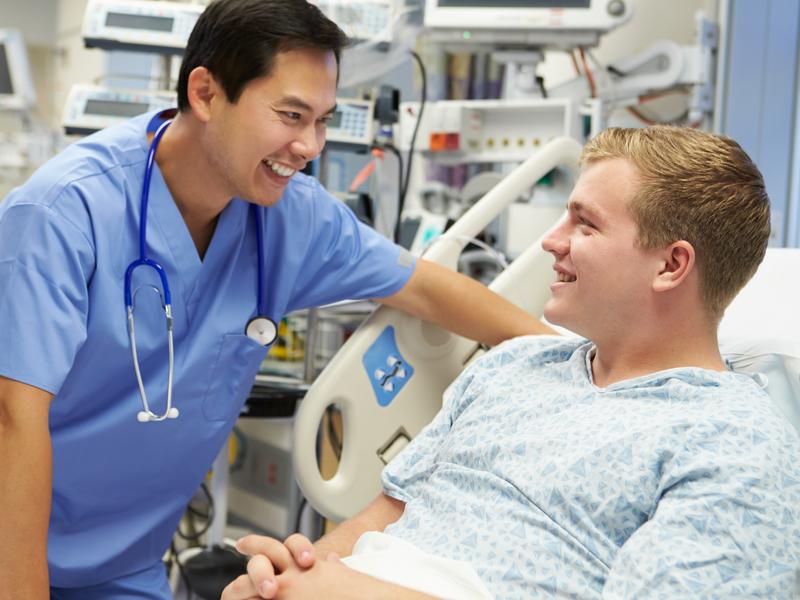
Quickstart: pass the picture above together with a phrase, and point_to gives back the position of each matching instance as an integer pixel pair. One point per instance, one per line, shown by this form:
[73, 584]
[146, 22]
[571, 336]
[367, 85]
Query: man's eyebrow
[300, 104]
[578, 207]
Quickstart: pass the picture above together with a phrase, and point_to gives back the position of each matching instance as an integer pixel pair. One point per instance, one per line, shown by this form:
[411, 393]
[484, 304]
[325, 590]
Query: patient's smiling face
[601, 275]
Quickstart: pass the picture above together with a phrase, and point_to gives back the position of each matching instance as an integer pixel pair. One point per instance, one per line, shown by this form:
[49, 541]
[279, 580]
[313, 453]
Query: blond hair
[698, 187]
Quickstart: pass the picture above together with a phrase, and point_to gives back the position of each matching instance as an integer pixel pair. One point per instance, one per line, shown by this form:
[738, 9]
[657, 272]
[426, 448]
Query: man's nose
[309, 142]
[556, 240]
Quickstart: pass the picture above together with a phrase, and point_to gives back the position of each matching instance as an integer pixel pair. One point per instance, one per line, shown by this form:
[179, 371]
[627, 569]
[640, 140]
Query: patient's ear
[677, 264]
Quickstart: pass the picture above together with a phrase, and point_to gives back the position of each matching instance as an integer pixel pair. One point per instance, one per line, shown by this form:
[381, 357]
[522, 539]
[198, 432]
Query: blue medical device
[260, 328]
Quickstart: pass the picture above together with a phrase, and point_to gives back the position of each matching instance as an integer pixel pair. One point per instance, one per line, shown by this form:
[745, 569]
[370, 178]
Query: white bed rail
[389, 377]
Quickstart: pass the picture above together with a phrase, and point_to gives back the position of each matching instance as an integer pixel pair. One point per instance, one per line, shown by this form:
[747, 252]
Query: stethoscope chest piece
[262, 330]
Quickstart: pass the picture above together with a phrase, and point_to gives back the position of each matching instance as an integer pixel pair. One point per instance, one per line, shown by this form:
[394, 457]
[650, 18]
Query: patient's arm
[381, 512]
[332, 580]
[269, 556]
[726, 525]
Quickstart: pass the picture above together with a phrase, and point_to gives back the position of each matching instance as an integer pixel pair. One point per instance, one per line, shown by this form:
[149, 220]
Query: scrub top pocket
[232, 376]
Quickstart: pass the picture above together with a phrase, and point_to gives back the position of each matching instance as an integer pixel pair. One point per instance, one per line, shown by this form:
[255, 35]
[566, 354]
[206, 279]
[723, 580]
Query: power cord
[193, 512]
[174, 559]
[423, 100]
[393, 149]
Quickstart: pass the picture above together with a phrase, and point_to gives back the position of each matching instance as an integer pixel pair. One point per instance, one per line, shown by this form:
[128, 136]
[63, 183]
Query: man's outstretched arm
[462, 305]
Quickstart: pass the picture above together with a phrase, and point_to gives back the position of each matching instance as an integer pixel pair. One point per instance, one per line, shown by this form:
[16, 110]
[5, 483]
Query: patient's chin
[557, 317]
[551, 313]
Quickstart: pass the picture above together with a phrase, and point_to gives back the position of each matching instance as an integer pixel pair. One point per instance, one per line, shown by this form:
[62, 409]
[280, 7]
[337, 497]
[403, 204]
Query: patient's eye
[585, 226]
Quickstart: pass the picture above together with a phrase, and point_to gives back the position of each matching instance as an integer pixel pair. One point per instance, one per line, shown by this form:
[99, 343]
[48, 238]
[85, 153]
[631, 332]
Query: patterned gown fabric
[680, 484]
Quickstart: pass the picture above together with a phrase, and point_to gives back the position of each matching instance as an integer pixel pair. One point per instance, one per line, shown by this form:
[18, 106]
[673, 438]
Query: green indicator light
[466, 35]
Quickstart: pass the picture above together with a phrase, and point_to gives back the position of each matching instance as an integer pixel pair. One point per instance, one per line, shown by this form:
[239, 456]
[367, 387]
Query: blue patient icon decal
[386, 368]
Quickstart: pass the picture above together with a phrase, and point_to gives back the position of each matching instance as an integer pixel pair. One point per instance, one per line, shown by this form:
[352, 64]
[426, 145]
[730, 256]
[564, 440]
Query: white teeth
[280, 169]
[565, 278]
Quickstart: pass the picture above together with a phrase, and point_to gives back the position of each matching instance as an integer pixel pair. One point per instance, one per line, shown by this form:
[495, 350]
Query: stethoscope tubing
[265, 330]
[143, 260]
[259, 240]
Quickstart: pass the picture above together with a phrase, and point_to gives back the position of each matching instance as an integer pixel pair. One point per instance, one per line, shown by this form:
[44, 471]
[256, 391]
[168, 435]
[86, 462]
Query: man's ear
[678, 263]
[201, 90]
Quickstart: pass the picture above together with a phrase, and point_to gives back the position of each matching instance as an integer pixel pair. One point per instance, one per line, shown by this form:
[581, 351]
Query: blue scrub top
[66, 238]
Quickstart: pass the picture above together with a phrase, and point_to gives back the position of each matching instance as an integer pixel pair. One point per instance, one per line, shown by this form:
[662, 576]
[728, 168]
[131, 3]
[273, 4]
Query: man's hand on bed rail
[269, 558]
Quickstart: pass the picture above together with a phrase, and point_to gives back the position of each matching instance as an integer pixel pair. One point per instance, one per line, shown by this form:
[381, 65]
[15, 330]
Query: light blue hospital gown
[679, 484]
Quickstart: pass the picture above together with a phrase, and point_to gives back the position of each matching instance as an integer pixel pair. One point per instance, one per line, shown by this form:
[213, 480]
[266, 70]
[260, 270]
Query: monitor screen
[336, 118]
[514, 3]
[113, 108]
[5, 72]
[146, 22]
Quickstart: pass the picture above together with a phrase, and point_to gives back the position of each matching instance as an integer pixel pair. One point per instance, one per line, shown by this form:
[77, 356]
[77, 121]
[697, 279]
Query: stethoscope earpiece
[143, 416]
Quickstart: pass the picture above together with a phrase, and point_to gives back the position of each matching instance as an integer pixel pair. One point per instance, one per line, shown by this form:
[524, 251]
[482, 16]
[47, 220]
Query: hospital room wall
[757, 100]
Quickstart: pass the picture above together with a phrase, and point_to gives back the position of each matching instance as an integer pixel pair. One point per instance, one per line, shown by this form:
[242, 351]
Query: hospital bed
[388, 379]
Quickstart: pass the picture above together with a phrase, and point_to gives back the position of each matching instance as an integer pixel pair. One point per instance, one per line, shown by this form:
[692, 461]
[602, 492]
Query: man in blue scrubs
[257, 85]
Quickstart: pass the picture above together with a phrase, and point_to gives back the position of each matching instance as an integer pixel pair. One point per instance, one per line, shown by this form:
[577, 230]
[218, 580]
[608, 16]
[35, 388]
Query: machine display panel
[16, 83]
[146, 22]
[139, 25]
[5, 72]
[113, 108]
[561, 24]
[336, 119]
[514, 3]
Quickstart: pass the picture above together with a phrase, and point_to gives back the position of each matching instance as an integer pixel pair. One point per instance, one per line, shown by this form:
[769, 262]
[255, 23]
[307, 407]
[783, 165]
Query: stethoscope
[260, 328]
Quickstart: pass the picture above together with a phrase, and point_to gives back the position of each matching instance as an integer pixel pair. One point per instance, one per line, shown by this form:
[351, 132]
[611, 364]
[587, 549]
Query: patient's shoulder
[535, 348]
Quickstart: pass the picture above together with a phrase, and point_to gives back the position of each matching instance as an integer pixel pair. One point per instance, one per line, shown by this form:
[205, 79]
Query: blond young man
[629, 462]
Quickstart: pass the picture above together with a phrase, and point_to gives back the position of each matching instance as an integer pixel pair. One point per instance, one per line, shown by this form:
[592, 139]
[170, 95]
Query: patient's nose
[556, 240]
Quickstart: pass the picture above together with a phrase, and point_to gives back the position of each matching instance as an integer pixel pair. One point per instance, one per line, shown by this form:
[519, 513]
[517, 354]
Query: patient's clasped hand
[629, 462]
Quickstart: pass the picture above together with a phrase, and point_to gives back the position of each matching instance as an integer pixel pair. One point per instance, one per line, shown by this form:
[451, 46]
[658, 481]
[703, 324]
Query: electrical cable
[679, 121]
[540, 83]
[299, 517]
[493, 253]
[588, 73]
[174, 558]
[333, 436]
[574, 62]
[423, 99]
[400, 194]
[193, 512]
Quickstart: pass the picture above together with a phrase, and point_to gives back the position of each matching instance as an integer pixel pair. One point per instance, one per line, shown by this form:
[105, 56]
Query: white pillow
[760, 332]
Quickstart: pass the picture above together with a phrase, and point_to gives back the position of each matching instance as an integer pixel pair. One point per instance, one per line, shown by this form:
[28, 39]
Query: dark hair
[237, 40]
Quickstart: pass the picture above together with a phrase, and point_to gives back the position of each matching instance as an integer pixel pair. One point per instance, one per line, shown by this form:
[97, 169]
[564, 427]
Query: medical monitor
[16, 84]
[524, 23]
[139, 25]
[90, 108]
[361, 19]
